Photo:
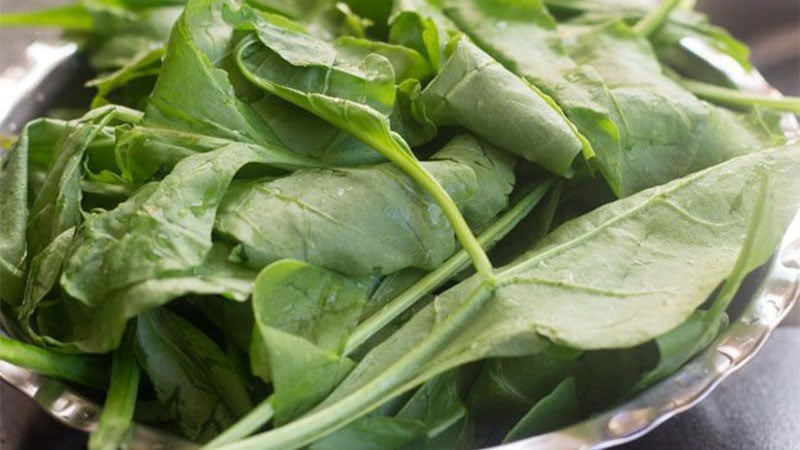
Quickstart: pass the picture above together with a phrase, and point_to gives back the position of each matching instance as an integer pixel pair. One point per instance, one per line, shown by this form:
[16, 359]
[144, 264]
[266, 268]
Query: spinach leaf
[28, 227]
[172, 241]
[406, 62]
[679, 345]
[373, 433]
[220, 111]
[173, 220]
[145, 66]
[303, 316]
[508, 387]
[438, 406]
[432, 418]
[514, 115]
[382, 221]
[665, 131]
[203, 102]
[146, 153]
[559, 408]
[192, 378]
[612, 87]
[13, 220]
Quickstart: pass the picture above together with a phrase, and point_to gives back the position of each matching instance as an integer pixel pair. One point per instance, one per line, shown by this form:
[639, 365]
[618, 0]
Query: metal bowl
[51, 70]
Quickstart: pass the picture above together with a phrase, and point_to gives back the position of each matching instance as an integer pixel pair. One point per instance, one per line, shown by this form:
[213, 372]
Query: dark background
[757, 408]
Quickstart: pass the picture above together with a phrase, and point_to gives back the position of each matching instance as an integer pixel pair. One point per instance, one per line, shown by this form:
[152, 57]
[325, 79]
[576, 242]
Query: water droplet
[340, 192]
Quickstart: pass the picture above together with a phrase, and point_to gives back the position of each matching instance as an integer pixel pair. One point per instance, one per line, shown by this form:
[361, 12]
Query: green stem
[733, 97]
[114, 425]
[315, 425]
[85, 370]
[653, 21]
[469, 242]
[443, 273]
[248, 424]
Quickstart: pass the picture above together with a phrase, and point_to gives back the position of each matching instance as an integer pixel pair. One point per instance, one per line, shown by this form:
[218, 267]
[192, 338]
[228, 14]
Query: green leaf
[383, 221]
[508, 387]
[406, 62]
[429, 419]
[373, 433]
[143, 66]
[558, 409]
[303, 317]
[515, 116]
[173, 220]
[192, 378]
[13, 220]
[437, 405]
[204, 102]
[665, 131]
[681, 344]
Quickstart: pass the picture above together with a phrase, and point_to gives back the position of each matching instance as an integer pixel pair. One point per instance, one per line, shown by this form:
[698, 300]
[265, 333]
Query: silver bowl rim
[777, 294]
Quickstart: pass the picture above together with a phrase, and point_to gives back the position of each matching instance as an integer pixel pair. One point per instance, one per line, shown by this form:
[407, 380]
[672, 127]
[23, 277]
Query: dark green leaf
[558, 409]
[192, 378]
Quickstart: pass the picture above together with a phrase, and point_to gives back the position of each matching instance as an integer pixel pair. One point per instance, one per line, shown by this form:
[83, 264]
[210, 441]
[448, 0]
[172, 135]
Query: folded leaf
[303, 316]
[514, 115]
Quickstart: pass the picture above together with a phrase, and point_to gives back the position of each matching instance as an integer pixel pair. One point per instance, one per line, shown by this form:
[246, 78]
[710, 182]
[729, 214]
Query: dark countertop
[756, 408]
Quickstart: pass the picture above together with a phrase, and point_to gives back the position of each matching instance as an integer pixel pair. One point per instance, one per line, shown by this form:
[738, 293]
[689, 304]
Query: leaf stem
[653, 21]
[456, 263]
[114, 425]
[85, 370]
[315, 425]
[409, 164]
[254, 420]
[733, 97]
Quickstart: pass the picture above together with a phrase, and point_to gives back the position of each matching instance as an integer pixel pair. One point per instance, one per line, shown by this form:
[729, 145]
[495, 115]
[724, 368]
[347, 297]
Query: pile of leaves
[385, 224]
